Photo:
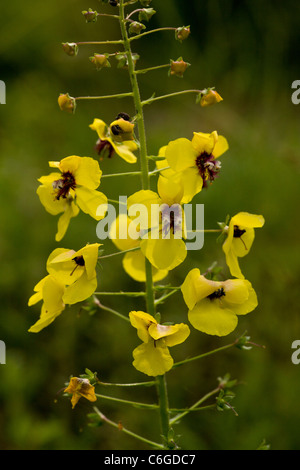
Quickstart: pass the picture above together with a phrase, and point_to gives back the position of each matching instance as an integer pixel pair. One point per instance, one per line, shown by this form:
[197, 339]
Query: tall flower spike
[213, 305]
[153, 357]
[72, 189]
[240, 236]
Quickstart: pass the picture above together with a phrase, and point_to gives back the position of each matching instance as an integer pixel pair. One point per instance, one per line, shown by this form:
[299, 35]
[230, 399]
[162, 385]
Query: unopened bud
[67, 103]
[136, 27]
[182, 33]
[209, 97]
[70, 48]
[178, 67]
[100, 61]
[146, 14]
[90, 15]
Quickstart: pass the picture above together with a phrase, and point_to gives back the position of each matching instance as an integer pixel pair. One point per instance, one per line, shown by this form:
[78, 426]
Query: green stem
[128, 402]
[110, 310]
[201, 356]
[119, 253]
[150, 296]
[152, 68]
[135, 384]
[126, 431]
[119, 95]
[169, 95]
[125, 294]
[133, 38]
[196, 405]
[129, 173]
[97, 43]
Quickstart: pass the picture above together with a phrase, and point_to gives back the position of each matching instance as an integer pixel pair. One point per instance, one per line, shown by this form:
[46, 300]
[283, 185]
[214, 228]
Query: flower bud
[123, 60]
[67, 103]
[100, 61]
[70, 48]
[182, 33]
[146, 14]
[209, 97]
[136, 27]
[90, 15]
[178, 67]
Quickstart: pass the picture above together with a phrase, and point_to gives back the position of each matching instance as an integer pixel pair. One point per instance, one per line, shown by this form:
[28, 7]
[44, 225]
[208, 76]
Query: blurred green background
[249, 51]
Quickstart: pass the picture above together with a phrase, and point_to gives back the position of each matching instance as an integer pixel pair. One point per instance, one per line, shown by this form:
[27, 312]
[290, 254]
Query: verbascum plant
[151, 236]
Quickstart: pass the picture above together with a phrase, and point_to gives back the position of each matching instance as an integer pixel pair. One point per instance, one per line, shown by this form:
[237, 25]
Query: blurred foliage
[249, 51]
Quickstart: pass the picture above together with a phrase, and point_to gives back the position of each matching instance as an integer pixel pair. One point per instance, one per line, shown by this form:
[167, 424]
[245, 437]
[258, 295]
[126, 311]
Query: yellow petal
[63, 222]
[100, 127]
[88, 173]
[181, 154]
[173, 334]
[62, 266]
[70, 164]
[134, 265]
[196, 287]
[221, 146]
[233, 265]
[141, 203]
[246, 307]
[90, 256]
[207, 316]
[89, 200]
[204, 143]
[141, 321]
[170, 191]
[236, 291]
[125, 150]
[192, 183]
[164, 253]
[151, 360]
[244, 219]
[80, 290]
[119, 233]
[47, 197]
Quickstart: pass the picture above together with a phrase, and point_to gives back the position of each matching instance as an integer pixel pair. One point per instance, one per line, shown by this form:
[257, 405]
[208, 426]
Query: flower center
[217, 294]
[63, 185]
[208, 167]
[79, 261]
[171, 218]
[104, 149]
[237, 233]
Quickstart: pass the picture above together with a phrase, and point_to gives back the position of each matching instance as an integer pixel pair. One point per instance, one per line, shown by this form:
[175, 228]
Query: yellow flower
[76, 270]
[240, 236]
[51, 291]
[71, 278]
[213, 305]
[163, 245]
[117, 138]
[80, 388]
[194, 163]
[72, 189]
[210, 97]
[133, 262]
[153, 357]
